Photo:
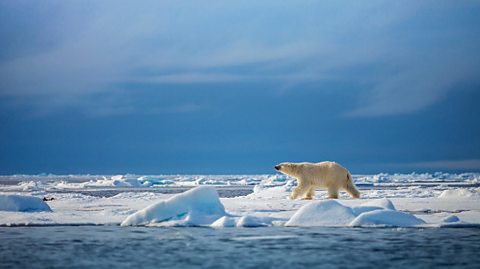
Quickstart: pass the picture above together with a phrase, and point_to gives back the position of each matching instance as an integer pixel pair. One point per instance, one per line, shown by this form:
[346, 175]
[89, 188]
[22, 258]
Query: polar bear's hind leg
[332, 193]
[350, 187]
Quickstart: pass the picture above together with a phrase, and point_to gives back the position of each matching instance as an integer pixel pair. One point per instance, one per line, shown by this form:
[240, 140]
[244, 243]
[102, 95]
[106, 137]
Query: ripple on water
[118, 247]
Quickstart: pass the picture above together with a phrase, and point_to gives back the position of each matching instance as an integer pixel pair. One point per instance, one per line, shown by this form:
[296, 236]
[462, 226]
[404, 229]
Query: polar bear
[309, 176]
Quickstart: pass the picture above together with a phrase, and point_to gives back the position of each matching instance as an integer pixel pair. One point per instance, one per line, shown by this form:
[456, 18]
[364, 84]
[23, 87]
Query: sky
[235, 87]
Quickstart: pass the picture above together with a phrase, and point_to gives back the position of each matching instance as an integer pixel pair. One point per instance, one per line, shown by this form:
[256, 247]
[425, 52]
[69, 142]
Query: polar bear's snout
[277, 167]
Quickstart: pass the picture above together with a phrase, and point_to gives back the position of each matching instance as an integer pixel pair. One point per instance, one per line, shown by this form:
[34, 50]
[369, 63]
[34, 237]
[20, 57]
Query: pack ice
[439, 200]
[201, 206]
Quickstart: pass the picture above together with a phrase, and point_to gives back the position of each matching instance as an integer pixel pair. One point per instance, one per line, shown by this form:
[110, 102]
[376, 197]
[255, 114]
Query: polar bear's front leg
[310, 193]
[299, 191]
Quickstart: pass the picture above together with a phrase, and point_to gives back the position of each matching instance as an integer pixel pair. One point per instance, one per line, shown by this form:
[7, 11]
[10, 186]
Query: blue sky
[190, 87]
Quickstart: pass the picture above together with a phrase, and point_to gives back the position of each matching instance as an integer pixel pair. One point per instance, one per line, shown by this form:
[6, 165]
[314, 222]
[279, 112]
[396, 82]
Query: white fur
[329, 175]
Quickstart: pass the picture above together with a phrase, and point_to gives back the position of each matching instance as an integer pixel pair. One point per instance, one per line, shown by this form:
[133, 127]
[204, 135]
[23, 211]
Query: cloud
[417, 86]
[105, 110]
[402, 57]
[189, 78]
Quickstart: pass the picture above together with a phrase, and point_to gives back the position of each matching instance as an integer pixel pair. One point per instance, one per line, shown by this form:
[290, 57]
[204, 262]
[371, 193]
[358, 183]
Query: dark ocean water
[140, 247]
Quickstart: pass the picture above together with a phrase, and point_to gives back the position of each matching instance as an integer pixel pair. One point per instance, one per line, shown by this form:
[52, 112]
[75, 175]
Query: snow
[437, 199]
[331, 213]
[29, 186]
[225, 222]
[198, 206]
[244, 221]
[377, 204]
[252, 221]
[260, 191]
[451, 219]
[382, 203]
[323, 213]
[386, 218]
[47, 182]
[19, 203]
[460, 193]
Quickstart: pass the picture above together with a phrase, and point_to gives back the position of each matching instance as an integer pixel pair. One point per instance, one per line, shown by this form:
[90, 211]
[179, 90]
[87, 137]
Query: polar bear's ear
[292, 168]
[288, 167]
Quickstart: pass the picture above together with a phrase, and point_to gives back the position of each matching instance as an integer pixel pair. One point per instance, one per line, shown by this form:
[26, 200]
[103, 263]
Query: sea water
[280, 247]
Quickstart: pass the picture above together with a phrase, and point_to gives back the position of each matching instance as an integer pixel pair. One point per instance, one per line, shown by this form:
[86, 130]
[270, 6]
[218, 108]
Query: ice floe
[460, 193]
[20, 203]
[322, 213]
[198, 206]
[243, 221]
[154, 200]
[333, 214]
[201, 206]
[47, 182]
[451, 219]
[386, 218]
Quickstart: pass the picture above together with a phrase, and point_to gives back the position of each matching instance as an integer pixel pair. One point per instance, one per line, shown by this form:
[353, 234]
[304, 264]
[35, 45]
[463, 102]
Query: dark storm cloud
[409, 55]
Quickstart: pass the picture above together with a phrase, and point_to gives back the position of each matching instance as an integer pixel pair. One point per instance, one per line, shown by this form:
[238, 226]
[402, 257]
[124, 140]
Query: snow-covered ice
[54, 182]
[21, 203]
[460, 193]
[330, 213]
[243, 221]
[427, 200]
[195, 207]
[386, 218]
[322, 213]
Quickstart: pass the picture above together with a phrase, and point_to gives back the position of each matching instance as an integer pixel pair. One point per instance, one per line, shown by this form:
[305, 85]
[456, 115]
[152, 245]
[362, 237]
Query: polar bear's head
[289, 169]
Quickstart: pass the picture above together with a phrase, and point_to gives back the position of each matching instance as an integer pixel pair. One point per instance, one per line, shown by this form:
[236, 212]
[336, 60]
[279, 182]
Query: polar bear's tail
[350, 187]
